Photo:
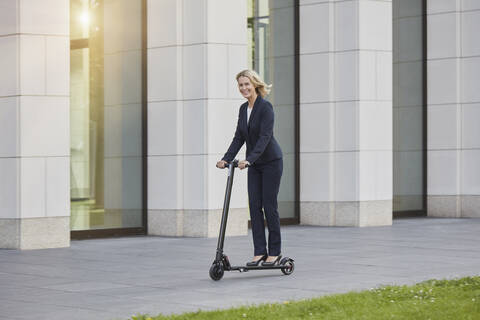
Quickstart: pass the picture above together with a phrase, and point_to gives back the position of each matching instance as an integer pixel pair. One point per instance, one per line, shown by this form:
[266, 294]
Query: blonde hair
[260, 87]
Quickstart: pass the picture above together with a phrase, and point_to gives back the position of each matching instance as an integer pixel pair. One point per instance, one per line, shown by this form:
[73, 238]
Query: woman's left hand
[243, 164]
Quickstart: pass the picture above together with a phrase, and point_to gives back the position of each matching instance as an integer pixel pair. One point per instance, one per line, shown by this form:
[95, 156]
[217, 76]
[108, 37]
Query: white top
[249, 110]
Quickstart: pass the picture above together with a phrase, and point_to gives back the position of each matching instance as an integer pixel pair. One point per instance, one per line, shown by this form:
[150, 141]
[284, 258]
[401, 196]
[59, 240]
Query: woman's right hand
[221, 164]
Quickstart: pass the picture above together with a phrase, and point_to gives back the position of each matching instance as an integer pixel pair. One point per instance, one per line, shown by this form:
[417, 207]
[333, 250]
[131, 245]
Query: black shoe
[255, 263]
[270, 264]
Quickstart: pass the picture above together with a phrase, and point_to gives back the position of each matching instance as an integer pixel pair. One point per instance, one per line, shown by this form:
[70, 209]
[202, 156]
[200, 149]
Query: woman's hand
[243, 164]
[221, 164]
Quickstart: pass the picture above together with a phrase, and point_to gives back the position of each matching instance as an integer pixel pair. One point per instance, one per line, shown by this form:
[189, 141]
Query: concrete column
[346, 113]
[453, 108]
[195, 49]
[34, 124]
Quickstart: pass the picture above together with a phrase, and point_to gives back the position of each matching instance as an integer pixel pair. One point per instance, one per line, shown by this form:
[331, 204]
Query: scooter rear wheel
[289, 266]
[216, 271]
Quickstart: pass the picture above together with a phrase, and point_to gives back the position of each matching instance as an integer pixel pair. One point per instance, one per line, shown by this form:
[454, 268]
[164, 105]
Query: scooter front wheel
[216, 271]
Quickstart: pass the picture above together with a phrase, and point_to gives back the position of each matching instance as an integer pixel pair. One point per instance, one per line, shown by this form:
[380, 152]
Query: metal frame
[120, 232]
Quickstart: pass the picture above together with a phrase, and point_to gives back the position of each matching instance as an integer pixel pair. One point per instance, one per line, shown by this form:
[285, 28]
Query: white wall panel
[384, 76]
[9, 185]
[166, 191]
[442, 36]
[316, 128]
[217, 71]
[315, 75]
[44, 17]
[346, 126]
[57, 186]
[367, 76]
[44, 126]
[442, 81]
[164, 82]
[194, 21]
[8, 17]
[346, 25]
[375, 175]
[222, 118]
[375, 125]
[223, 27]
[440, 6]
[347, 176]
[237, 61]
[470, 4]
[443, 125]
[32, 187]
[9, 77]
[315, 23]
[346, 76]
[164, 128]
[32, 65]
[57, 67]
[443, 172]
[375, 27]
[9, 124]
[195, 74]
[470, 172]
[195, 126]
[470, 79]
[470, 127]
[165, 22]
[470, 27]
[317, 177]
[195, 173]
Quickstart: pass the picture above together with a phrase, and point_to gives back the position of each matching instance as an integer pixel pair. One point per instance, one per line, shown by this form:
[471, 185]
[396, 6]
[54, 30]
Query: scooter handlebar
[234, 162]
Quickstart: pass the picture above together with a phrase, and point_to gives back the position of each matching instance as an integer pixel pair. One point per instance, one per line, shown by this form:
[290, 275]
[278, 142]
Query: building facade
[113, 113]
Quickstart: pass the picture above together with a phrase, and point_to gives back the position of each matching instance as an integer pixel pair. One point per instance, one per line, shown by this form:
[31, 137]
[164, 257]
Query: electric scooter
[221, 262]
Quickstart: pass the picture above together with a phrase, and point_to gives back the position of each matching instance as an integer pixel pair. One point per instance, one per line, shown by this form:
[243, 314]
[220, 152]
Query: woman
[264, 159]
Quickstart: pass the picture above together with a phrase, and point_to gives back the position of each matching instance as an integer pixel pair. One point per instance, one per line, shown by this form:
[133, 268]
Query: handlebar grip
[234, 162]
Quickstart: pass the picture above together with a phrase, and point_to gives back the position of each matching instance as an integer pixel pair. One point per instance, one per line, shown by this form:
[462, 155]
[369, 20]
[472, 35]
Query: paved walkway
[116, 278]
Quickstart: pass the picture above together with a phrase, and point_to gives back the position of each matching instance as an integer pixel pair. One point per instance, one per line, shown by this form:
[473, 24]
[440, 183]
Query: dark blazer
[258, 134]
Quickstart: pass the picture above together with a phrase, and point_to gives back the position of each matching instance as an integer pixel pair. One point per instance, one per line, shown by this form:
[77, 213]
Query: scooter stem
[226, 204]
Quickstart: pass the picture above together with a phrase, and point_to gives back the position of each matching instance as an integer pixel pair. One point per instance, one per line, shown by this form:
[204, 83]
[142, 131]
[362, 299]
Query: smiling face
[246, 87]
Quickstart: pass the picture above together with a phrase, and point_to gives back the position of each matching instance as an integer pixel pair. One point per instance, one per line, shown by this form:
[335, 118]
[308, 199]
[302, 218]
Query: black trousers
[263, 185]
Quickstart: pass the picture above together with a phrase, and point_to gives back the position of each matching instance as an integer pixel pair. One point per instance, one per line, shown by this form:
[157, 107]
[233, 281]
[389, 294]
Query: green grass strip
[432, 299]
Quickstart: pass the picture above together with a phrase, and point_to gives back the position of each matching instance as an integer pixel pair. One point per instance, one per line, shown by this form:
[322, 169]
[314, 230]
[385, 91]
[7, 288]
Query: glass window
[271, 52]
[408, 107]
[106, 114]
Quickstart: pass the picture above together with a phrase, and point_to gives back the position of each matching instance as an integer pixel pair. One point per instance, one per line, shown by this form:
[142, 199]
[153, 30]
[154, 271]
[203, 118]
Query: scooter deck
[247, 268]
